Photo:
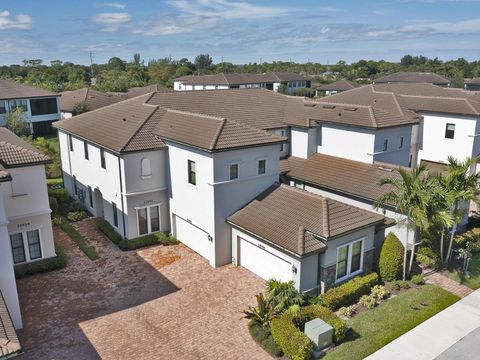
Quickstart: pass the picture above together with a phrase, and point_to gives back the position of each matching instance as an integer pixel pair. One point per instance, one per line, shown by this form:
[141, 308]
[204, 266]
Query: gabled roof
[340, 85]
[9, 343]
[14, 90]
[93, 98]
[296, 220]
[413, 77]
[240, 78]
[136, 91]
[15, 152]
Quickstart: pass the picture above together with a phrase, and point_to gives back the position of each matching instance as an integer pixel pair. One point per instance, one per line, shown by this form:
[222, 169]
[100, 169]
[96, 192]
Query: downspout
[121, 196]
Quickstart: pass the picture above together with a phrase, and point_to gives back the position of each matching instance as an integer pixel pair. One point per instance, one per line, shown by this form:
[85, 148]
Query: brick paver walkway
[156, 303]
[448, 284]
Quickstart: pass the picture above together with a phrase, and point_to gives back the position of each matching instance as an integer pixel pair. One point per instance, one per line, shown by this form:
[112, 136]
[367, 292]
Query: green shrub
[368, 301]
[473, 247]
[283, 295]
[263, 337]
[57, 220]
[428, 257]
[107, 229]
[418, 280]
[77, 206]
[74, 216]
[400, 284]
[58, 262]
[78, 239]
[347, 311]
[379, 292]
[140, 242]
[349, 292]
[63, 199]
[294, 343]
[169, 240]
[390, 259]
[339, 325]
[53, 204]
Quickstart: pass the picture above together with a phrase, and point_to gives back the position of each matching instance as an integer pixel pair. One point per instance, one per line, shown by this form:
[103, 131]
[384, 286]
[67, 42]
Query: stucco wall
[134, 182]
[394, 154]
[303, 142]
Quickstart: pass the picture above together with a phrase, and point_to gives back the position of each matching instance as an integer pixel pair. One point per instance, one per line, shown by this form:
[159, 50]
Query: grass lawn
[473, 280]
[53, 140]
[373, 329]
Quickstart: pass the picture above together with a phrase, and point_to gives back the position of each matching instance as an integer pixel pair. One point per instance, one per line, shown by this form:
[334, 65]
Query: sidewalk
[436, 335]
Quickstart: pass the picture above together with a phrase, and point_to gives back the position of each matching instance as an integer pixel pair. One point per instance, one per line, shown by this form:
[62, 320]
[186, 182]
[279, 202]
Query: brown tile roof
[9, 343]
[295, 219]
[340, 85]
[413, 77]
[136, 91]
[14, 90]
[474, 81]
[15, 152]
[240, 78]
[352, 178]
[5, 176]
[210, 133]
[94, 99]
[289, 163]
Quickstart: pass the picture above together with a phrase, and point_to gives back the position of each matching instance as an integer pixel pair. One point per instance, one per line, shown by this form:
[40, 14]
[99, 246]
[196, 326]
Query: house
[406, 77]
[40, 107]
[269, 81]
[335, 87]
[25, 224]
[472, 84]
[93, 100]
[291, 234]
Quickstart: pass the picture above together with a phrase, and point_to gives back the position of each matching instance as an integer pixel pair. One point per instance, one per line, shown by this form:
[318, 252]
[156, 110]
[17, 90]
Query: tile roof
[349, 177]
[296, 220]
[474, 81]
[16, 152]
[9, 343]
[136, 91]
[94, 99]
[14, 90]
[340, 85]
[413, 77]
[5, 176]
[239, 78]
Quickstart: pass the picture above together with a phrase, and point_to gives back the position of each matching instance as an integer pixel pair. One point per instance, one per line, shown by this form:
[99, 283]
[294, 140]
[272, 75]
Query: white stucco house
[269, 81]
[40, 107]
[25, 225]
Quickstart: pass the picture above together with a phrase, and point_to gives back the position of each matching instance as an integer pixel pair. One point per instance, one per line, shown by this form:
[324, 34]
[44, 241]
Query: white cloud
[114, 5]
[111, 22]
[21, 21]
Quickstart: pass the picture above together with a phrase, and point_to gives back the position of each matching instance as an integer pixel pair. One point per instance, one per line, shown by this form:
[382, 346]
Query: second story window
[400, 143]
[18, 104]
[85, 150]
[70, 142]
[3, 107]
[43, 106]
[262, 166]
[146, 170]
[450, 131]
[233, 171]
[385, 145]
[102, 159]
[192, 172]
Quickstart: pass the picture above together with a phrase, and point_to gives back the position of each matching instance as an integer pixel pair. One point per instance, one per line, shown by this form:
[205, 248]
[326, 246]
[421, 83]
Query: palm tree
[462, 184]
[410, 197]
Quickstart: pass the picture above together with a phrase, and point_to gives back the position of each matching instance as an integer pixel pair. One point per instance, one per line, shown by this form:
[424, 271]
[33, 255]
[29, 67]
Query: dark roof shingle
[9, 343]
[15, 90]
[413, 77]
[240, 78]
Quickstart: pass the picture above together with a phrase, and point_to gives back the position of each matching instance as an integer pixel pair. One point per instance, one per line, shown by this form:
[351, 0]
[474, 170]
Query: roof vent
[385, 169]
[124, 119]
[350, 108]
[329, 106]
[339, 114]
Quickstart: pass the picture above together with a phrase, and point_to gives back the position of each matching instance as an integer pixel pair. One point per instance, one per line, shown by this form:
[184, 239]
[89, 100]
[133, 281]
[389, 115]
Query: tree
[282, 295]
[80, 108]
[461, 183]
[17, 123]
[409, 195]
[282, 89]
[203, 62]
[390, 258]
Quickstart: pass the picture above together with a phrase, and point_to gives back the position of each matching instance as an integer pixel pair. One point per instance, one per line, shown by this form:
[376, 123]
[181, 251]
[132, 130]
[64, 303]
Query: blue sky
[240, 31]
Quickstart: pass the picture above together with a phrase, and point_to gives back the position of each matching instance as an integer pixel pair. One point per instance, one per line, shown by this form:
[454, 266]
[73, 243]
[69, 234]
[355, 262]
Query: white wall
[179, 86]
[286, 133]
[303, 142]
[394, 154]
[433, 146]
[134, 182]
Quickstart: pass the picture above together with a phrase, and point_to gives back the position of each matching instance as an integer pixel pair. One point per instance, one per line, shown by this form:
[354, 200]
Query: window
[262, 166]
[385, 145]
[233, 171]
[18, 104]
[450, 131]
[400, 143]
[3, 107]
[18, 186]
[70, 142]
[148, 219]
[145, 168]
[90, 196]
[43, 106]
[34, 249]
[85, 150]
[192, 173]
[102, 159]
[115, 214]
[349, 259]
[18, 251]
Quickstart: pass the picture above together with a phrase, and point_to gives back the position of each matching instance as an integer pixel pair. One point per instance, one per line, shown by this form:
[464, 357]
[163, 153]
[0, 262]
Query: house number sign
[22, 225]
[146, 202]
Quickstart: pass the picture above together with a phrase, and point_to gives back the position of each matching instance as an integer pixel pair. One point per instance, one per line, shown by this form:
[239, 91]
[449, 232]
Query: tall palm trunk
[452, 235]
[412, 253]
[405, 250]
[441, 244]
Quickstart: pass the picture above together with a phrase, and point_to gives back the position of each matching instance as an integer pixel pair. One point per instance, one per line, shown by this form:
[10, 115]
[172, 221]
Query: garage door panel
[193, 237]
[263, 263]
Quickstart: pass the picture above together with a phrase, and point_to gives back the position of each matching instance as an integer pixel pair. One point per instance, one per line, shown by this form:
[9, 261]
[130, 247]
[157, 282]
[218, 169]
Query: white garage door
[263, 263]
[195, 238]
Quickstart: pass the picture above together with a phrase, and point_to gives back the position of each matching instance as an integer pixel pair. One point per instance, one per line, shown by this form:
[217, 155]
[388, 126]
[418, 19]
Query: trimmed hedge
[107, 229]
[390, 259]
[327, 315]
[348, 293]
[37, 267]
[263, 337]
[78, 239]
[294, 343]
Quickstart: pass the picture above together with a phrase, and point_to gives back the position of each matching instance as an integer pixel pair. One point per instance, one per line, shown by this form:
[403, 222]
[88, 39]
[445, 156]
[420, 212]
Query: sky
[238, 31]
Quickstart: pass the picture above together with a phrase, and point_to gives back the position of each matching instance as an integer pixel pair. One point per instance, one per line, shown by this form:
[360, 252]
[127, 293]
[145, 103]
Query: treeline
[119, 75]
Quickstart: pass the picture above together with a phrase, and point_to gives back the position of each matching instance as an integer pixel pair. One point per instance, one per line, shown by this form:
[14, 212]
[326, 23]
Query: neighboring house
[92, 98]
[25, 224]
[291, 234]
[414, 77]
[40, 107]
[335, 87]
[269, 81]
[472, 84]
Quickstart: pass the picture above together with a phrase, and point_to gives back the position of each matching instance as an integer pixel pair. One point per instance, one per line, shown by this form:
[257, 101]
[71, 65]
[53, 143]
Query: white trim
[36, 213]
[266, 164]
[239, 179]
[26, 248]
[229, 167]
[144, 191]
[350, 274]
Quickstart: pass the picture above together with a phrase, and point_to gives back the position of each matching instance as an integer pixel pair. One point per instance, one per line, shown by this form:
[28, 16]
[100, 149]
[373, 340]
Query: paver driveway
[157, 303]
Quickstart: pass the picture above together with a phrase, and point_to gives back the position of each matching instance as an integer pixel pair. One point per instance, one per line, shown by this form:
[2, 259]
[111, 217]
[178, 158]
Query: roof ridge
[193, 113]
[217, 135]
[140, 127]
[326, 218]
[372, 115]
